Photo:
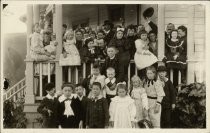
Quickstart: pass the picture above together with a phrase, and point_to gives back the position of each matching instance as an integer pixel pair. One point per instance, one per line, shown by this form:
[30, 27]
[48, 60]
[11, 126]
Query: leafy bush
[190, 111]
[14, 117]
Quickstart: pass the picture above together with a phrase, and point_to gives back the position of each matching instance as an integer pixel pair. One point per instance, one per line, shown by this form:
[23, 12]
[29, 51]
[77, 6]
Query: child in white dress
[138, 93]
[37, 51]
[143, 57]
[71, 56]
[122, 109]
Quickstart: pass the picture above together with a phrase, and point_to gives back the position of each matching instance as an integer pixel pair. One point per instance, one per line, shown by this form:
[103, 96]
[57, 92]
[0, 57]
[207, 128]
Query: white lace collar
[62, 98]
[51, 97]
[107, 80]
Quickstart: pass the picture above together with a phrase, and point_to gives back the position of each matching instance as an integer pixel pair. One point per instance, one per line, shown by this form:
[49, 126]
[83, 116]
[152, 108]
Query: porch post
[36, 13]
[59, 37]
[161, 33]
[29, 27]
[190, 46]
[29, 98]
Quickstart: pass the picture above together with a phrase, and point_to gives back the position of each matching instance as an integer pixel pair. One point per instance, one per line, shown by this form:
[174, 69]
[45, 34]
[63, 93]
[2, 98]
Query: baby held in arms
[52, 47]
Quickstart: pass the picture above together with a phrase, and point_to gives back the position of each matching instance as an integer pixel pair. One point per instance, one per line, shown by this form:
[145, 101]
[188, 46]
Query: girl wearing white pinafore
[122, 111]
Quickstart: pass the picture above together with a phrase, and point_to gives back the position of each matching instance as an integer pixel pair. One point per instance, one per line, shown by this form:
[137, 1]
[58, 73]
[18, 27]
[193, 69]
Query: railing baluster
[40, 80]
[129, 74]
[179, 79]
[14, 99]
[18, 94]
[77, 78]
[69, 74]
[84, 70]
[48, 72]
[171, 75]
[91, 66]
[136, 70]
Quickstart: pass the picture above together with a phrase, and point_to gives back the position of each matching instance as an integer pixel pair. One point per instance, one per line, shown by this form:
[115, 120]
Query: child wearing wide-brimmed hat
[168, 102]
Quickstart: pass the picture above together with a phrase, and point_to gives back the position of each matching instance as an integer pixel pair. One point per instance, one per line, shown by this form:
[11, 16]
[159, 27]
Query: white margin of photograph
[207, 63]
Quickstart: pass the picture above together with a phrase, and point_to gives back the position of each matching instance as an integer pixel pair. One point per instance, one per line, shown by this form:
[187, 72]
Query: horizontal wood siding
[176, 14]
[130, 14]
[199, 34]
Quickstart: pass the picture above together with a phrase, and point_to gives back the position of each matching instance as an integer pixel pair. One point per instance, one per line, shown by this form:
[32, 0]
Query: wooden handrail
[15, 85]
[22, 88]
[21, 85]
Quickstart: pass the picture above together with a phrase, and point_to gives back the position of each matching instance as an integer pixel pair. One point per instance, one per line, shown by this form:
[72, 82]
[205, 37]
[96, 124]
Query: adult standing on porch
[168, 31]
[109, 33]
[79, 40]
[182, 33]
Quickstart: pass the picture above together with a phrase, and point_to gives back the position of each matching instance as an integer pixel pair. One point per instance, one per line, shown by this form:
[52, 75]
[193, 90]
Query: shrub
[13, 116]
[190, 111]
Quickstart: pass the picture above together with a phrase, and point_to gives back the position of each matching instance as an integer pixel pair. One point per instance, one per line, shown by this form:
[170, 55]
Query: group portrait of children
[105, 98]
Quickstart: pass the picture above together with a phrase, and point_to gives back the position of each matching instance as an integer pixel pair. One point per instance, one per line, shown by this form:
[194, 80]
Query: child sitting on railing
[37, 50]
[70, 56]
[143, 57]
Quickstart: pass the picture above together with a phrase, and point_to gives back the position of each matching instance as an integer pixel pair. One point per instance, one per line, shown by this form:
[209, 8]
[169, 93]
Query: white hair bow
[120, 29]
[121, 83]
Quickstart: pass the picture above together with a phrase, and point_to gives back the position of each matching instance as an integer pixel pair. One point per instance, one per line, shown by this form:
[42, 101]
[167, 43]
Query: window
[115, 12]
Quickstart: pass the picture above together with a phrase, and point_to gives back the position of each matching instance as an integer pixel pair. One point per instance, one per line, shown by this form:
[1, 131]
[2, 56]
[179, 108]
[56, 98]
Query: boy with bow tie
[97, 115]
[69, 108]
[48, 107]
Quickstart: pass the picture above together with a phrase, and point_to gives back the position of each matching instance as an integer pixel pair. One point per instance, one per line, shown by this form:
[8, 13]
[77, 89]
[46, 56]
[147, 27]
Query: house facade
[191, 16]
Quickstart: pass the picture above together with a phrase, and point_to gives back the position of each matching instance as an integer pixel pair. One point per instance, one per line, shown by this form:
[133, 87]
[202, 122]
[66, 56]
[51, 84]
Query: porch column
[36, 13]
[190, 46]
[59, 37]
[29, 27]
[161, 33]
[29, 97]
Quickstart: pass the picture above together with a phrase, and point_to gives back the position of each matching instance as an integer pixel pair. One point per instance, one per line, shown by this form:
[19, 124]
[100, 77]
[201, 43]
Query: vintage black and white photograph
[103, 66]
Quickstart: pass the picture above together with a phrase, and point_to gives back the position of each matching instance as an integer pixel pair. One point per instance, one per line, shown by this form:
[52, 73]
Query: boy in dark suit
[48, 107]
[97, 115]
[168, 102]
[69, 108]
[80, 91]
[113, 61]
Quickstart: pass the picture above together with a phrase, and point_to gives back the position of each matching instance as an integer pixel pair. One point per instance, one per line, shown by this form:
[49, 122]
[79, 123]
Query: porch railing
[43, 72]
[16, 91]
